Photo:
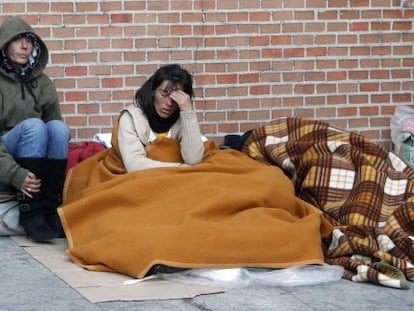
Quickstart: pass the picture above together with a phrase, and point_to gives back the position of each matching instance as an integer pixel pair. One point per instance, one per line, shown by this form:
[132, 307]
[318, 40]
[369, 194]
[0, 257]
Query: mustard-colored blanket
[228, 211]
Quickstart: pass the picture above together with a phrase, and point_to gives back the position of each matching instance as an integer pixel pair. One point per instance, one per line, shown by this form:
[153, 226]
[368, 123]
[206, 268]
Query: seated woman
[33, 137]
[162, 196]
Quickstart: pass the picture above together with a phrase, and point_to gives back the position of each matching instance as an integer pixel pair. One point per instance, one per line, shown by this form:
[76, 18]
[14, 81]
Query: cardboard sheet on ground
[106, 286]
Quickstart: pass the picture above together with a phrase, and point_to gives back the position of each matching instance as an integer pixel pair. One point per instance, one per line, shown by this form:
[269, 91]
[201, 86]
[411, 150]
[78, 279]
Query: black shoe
[37, 229]
[32, 209]
[54, 223]
[53, 181]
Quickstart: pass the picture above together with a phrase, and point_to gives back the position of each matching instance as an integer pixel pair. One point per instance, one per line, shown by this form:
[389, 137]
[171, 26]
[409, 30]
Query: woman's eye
[164, 93]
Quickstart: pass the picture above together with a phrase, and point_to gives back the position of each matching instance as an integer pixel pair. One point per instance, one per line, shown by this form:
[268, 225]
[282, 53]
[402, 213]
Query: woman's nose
[24, 43]
[169, 101]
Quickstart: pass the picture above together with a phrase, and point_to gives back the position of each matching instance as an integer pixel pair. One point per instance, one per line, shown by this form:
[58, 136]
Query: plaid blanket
[365, 190]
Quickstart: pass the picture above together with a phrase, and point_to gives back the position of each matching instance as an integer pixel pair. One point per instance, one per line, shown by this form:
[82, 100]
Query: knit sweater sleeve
[192, 146]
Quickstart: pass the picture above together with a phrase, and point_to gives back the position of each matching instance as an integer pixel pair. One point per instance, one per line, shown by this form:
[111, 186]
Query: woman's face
[19, 50]
[163, 104]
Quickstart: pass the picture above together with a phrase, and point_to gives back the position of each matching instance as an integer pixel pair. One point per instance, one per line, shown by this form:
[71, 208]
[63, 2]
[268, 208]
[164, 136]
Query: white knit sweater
[134, 133]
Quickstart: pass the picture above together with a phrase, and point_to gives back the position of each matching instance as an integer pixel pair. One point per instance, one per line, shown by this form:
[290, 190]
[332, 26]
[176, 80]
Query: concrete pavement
[28, 285]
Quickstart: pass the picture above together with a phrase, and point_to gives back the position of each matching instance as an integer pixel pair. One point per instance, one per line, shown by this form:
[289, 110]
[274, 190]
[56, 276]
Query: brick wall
[349, 62]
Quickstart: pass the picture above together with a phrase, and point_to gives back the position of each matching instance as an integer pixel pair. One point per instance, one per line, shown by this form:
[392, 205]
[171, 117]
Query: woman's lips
[23, 56]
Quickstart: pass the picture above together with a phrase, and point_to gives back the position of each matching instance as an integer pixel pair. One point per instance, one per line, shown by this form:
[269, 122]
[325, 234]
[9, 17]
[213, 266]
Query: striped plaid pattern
[365, 191]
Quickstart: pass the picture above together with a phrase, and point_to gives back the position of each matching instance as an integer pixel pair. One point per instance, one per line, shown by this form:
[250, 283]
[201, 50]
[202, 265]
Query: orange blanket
[228, 211]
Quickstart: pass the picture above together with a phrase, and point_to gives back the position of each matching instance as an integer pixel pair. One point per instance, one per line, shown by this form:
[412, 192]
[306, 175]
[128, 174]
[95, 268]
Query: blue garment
[33, 138]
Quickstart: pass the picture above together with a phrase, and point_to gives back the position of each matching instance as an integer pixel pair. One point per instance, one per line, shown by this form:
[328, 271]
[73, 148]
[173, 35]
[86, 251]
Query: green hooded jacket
[23, 96]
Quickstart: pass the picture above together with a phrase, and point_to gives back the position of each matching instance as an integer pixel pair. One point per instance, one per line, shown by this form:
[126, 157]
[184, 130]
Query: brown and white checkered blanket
[365, 190]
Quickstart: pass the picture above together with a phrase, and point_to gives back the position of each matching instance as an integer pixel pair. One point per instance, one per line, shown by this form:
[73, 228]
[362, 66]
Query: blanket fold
[228, 211]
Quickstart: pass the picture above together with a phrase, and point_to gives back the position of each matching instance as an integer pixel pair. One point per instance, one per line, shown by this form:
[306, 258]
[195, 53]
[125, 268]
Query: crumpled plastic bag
[401, 122]
[402, 133]
[9, 219]
[243, 277]
[407, 148]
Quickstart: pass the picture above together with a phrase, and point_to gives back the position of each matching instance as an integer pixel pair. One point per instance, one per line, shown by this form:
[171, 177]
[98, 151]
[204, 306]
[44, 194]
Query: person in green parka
[33, 137]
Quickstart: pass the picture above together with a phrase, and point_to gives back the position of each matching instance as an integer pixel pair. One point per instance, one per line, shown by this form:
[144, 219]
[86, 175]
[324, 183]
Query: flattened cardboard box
[106, 286]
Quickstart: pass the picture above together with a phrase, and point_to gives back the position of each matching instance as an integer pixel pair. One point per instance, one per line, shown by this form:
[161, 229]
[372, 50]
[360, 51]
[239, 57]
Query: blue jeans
[33, 138]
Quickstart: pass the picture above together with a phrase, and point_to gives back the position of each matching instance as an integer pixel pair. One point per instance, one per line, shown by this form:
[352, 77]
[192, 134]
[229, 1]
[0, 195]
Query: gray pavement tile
[148, 305]
[345, 295]
[28, 285]
[253, 298]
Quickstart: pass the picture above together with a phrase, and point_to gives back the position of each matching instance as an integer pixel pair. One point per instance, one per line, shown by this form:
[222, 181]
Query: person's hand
[182, 99]
[30, 185]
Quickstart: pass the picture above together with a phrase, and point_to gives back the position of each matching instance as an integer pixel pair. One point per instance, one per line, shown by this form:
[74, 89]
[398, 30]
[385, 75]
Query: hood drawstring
[22, 90]
[31, 83]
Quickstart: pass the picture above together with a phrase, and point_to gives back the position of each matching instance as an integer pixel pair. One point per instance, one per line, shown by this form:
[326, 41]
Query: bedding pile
[228, 211]
[365, 191]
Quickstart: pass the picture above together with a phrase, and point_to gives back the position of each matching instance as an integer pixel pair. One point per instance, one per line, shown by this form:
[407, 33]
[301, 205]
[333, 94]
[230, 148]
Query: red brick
[181, 5]
[249, 78]
[227, 79]
[294, 52]
[226, 128]
[76, 70]
[65, 83]
[347, 111]
[88, 108]
[62, 58]
[112, 82]
[380, 98]
[292, 101]
[76, 96]
[369, 87]
[402, 98]
[336, 75]
[251, 60]
[63, 7]
[76, 120]
[238, 91]
[88, 83]
[38, 7]
[86, 6]
[304, 89]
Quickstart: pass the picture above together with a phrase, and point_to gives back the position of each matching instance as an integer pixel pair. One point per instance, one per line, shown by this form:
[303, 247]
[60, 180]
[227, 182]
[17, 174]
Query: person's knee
[58, 132]
[58, 128]
[34, 127]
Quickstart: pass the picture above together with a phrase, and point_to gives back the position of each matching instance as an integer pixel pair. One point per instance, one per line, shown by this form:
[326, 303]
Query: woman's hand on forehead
[182, 99]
